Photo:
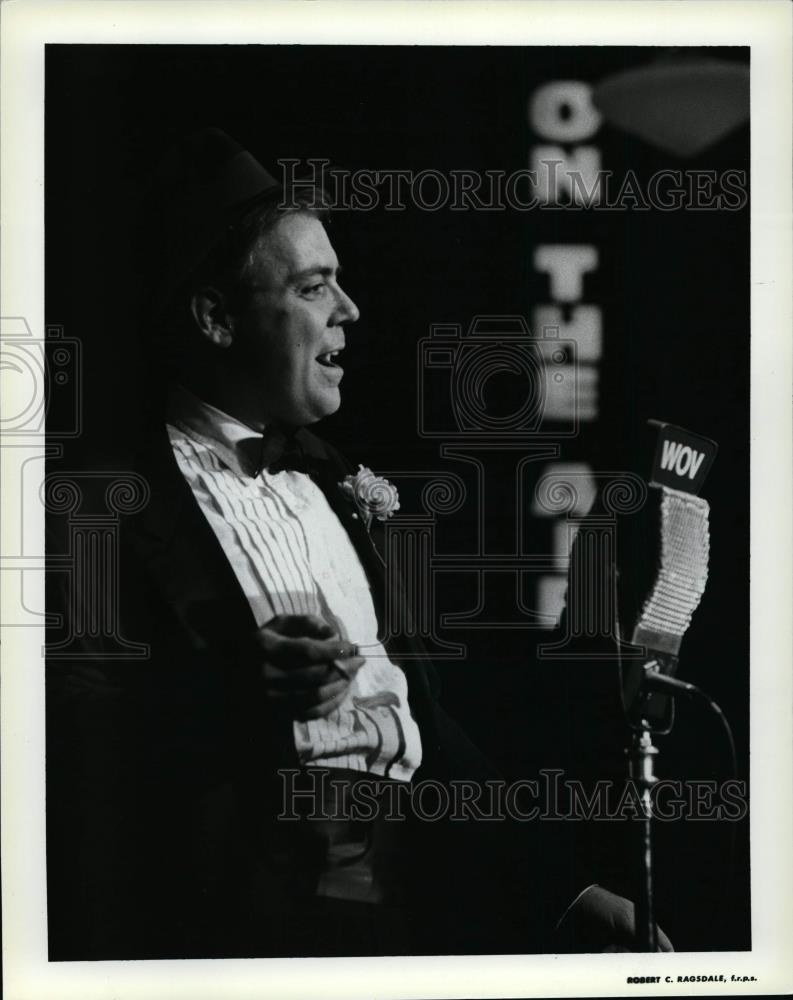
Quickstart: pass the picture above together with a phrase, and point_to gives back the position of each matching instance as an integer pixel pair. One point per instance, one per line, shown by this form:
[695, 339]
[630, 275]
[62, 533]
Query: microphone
[682, 548]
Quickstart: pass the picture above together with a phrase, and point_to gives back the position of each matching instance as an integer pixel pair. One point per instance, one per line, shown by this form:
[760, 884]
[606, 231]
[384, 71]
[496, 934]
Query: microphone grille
[683, 573]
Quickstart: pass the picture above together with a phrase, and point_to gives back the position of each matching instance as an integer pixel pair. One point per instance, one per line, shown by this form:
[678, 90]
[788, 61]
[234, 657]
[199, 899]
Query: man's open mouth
[329, 359]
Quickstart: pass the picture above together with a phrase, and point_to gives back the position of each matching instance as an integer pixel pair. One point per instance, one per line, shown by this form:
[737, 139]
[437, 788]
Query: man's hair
[229, 260]
[171, 323]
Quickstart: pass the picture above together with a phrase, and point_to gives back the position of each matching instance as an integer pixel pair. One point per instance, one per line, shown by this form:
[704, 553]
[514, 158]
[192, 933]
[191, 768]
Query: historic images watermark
[553, 184]
[314, 794]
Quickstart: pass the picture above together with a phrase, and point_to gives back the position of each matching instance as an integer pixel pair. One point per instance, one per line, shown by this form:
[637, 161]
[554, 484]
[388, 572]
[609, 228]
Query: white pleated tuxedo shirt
[291, 555]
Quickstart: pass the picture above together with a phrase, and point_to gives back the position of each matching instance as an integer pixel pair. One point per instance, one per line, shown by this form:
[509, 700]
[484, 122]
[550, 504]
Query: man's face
[288, 325]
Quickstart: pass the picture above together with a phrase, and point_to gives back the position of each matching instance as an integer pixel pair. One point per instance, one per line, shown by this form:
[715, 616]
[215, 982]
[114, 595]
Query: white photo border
[765, 26]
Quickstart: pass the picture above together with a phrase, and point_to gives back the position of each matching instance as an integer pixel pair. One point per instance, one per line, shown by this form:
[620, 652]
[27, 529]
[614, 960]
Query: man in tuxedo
[194, 777]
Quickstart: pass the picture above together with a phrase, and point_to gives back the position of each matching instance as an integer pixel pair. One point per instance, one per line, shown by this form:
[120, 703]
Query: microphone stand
[641, 771]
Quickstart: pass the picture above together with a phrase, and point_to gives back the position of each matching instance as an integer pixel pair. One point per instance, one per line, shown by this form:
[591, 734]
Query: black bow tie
[276, 450]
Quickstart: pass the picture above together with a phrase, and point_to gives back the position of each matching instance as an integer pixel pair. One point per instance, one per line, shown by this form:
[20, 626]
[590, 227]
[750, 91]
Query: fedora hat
[205, 184]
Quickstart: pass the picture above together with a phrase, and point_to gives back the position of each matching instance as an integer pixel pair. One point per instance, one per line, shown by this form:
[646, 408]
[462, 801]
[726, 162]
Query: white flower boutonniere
[371, 494]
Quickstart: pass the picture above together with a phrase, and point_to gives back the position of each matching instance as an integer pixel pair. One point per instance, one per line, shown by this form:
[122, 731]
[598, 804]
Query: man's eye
[313, 289]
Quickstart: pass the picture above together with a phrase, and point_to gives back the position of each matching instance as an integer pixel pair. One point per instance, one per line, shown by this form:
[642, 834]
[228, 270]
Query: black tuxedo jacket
[160, 770]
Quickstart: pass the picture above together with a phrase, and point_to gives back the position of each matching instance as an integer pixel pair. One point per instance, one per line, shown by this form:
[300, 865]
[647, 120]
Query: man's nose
[346, 310]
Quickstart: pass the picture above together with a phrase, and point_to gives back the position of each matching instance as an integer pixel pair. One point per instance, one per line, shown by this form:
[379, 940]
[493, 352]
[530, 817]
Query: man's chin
[319, 409]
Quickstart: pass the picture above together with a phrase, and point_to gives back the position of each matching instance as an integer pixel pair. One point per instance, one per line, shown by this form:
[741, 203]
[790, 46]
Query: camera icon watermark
[41, 382]
[497, 380]
[40, 406]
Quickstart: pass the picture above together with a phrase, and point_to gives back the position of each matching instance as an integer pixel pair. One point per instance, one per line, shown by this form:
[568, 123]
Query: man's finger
[288, 652]
[348, 668]
[310, 697]
[295, 626]
[298, 678]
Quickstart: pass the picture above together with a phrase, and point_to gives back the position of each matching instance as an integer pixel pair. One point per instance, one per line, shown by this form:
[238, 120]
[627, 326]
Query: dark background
[674, 289]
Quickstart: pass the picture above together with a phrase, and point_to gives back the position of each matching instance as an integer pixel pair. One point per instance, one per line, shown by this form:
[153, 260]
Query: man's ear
[211, 314]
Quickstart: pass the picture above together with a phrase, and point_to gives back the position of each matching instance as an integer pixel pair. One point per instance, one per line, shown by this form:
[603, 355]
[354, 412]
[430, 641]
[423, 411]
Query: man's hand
[599, 920]
[306, 668]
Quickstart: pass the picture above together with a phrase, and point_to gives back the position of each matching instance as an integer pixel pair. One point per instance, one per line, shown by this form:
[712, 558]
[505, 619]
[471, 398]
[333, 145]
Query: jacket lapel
[408, 651]
[183, 555]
